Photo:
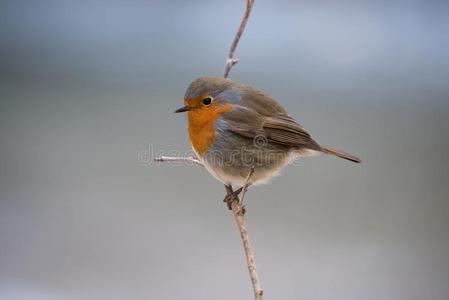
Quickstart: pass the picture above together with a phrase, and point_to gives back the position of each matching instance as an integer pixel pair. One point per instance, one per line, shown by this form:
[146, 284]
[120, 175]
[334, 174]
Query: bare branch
[238, 212]
[231, 61]
[190, 159]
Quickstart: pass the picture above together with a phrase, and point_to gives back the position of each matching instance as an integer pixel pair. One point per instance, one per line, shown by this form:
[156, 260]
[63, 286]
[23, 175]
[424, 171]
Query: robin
[236, 130]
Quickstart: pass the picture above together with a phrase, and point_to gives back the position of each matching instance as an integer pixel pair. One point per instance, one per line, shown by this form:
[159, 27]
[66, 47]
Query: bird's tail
[341, 154]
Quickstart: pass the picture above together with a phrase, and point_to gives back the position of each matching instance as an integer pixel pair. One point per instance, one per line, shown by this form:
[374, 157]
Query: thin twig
[231, 61]
[190, 159]
[238, 210]
[240, 220]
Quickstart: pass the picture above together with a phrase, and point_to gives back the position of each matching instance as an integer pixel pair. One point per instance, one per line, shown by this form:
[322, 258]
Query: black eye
[207, 101]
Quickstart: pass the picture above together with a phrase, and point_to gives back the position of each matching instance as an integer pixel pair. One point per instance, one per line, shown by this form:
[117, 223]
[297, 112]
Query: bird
[242, 136]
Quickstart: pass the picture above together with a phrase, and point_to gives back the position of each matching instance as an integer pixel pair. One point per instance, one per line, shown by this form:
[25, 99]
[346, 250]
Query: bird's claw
[231, 197]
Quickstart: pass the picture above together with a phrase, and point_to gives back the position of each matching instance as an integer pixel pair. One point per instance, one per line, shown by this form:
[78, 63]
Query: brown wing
[284, 130]
[244, 122]
[279, 129]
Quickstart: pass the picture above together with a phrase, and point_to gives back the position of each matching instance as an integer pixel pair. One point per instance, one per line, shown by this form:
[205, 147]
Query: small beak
[184, 109]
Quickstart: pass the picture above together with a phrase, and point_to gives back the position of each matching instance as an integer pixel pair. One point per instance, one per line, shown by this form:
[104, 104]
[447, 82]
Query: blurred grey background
[88, 85]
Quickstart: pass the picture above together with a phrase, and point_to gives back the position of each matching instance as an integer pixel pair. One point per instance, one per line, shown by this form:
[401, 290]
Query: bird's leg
[246, 186]
[234, 195]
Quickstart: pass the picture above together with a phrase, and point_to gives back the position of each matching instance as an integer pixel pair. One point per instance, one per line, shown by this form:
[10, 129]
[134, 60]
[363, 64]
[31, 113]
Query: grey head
[208, 86]
[226, 91]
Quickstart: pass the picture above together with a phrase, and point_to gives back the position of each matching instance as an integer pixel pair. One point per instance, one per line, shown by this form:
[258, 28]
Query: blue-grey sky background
[85, 86]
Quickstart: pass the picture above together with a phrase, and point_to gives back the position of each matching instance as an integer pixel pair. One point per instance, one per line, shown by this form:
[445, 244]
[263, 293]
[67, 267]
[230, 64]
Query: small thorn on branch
[232, 61]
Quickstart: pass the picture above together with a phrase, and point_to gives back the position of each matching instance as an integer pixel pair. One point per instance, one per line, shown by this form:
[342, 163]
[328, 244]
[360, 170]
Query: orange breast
[202, 128]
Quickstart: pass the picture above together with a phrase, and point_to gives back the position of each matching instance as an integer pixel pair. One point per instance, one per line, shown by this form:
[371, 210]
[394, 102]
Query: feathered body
[233, 127]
